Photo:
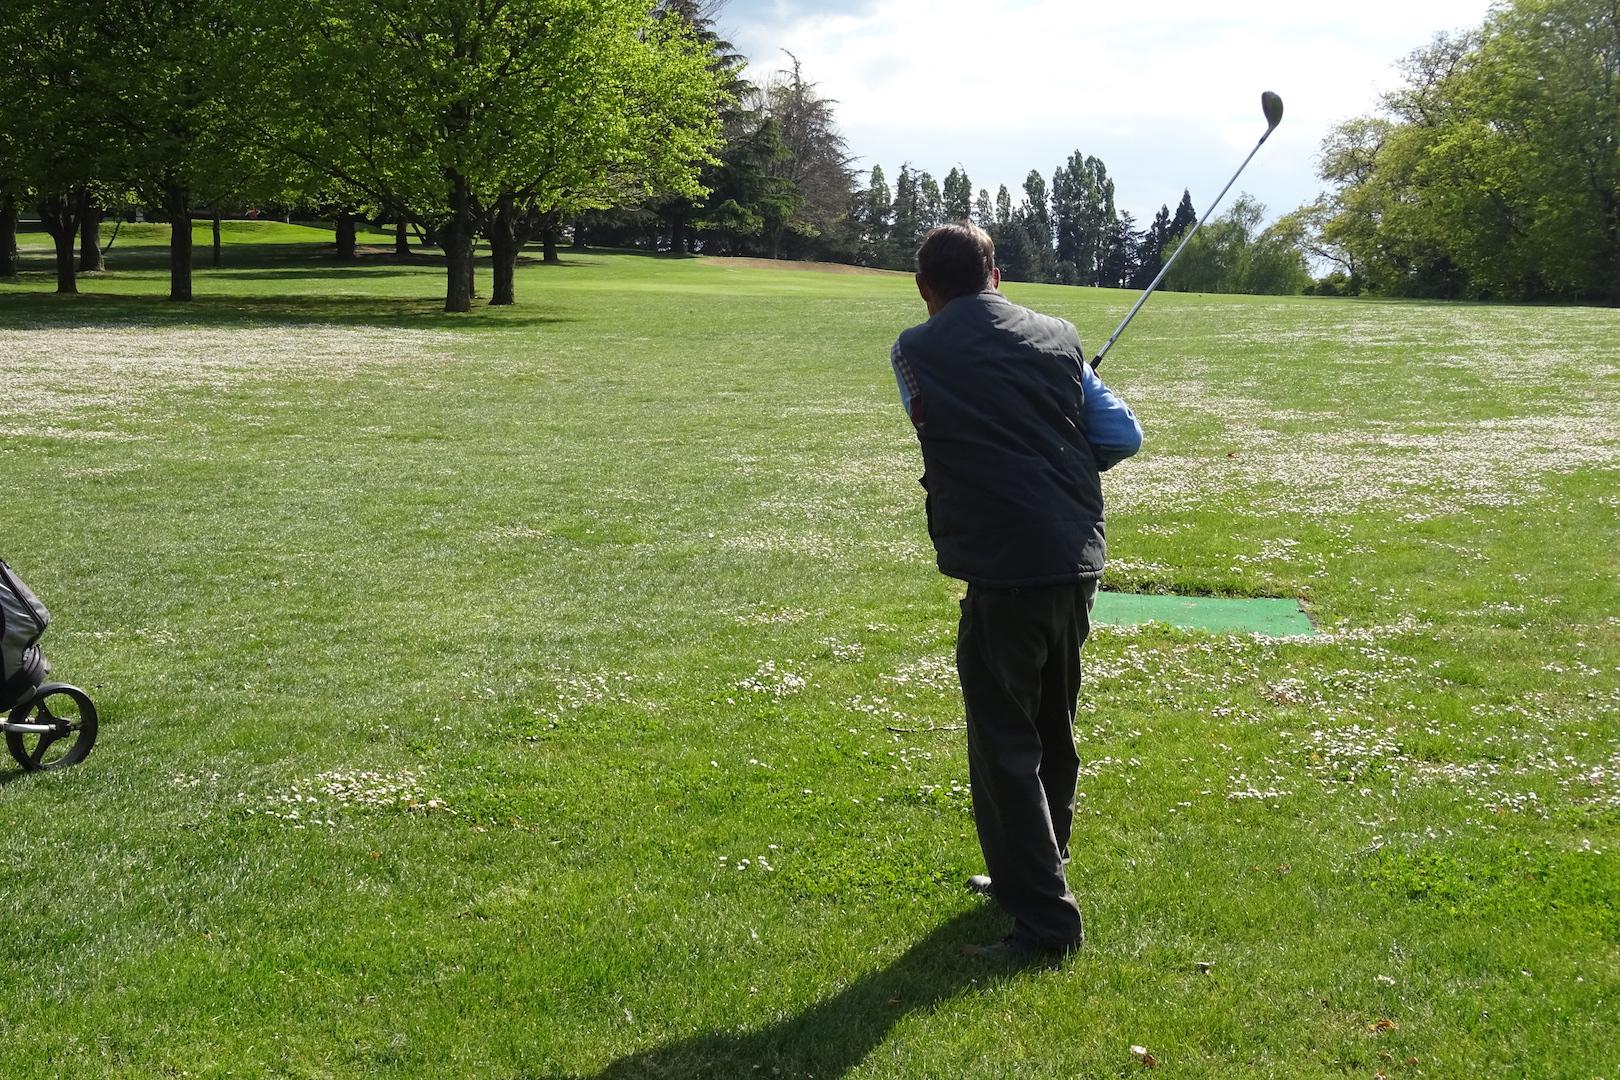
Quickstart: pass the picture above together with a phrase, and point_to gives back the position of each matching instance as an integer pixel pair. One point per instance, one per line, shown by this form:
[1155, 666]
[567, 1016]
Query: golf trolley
[48, 725]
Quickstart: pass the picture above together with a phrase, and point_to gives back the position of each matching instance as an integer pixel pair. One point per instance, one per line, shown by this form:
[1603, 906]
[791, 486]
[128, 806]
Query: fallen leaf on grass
[1147, 1059]
[1382, 1025]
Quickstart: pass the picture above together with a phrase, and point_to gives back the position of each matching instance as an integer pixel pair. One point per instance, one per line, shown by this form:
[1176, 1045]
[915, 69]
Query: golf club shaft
[1165, 269]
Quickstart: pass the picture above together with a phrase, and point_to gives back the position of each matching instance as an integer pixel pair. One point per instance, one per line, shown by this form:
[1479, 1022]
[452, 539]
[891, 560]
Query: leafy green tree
[179, 73]
[1497, 172]
[56, 128]
[738, 116]
[1233, 254]
[983, 216]
[451, 110]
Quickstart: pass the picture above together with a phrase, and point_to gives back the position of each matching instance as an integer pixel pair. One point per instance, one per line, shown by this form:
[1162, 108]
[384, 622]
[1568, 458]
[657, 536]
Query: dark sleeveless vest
[1014, 498]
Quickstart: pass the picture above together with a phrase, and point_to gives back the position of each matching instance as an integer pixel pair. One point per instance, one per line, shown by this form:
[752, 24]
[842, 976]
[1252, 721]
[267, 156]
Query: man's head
[956, 259]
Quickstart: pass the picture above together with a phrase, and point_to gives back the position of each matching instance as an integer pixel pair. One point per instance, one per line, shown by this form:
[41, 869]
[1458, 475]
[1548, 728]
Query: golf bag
[23, 620]
[48, 725]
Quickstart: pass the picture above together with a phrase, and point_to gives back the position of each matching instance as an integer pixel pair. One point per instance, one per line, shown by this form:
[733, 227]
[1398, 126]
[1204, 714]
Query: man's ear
[929, 297]
[995, 277]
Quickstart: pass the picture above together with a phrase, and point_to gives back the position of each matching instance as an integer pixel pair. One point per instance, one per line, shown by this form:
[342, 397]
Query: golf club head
[1271, 105]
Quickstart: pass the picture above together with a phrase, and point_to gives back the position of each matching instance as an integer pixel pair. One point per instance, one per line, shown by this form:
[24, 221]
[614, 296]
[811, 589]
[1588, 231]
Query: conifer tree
[983, 216]
[1185, 217]
[958, 195]
[907, 229]
[873, 210]
[930, 203]
[1150, 251]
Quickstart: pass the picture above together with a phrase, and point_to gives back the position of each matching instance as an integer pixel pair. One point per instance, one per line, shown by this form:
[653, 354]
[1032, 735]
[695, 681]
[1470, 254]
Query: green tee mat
[1218, 615]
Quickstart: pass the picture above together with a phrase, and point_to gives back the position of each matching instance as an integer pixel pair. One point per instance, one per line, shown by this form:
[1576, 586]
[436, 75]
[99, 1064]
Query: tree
[906, 233]
[983, 216]
[1035, 214]
[1496, 171]
[1232, 254]
[1150, 249]
[8, 235]
[738, 115]
[453, 110]
[816, 159]
[1086, 221]
[747, 200]
[1122, 252]
[55, 130]
[958, 196]
[930, 203]
[1185, 216]
[873, 212]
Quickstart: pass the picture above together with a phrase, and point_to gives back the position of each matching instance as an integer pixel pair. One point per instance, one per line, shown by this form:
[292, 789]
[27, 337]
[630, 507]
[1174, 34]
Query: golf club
[1272, 106]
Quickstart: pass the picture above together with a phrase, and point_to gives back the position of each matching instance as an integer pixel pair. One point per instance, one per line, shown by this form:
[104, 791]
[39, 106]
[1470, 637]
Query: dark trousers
[1018, 656]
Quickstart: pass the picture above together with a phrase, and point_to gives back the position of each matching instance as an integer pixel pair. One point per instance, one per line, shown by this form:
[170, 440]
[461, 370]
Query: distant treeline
[1492, 173]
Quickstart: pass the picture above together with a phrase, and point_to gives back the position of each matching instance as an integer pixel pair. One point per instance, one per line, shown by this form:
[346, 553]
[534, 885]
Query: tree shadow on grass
[832, 1037]
[95, 310]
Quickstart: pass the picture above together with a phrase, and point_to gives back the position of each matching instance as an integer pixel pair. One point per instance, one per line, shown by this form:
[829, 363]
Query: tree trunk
[90, 260]
[177, 205]
[677, 236]
[8, 237]
[579, 235]
[548, 244]
[60, 216]
[456, 238]
[504, 245]
[344, 224]
[219, 255]
[402, 240]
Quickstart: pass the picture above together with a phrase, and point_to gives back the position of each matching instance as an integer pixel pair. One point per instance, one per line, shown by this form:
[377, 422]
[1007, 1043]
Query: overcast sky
[1166, 93]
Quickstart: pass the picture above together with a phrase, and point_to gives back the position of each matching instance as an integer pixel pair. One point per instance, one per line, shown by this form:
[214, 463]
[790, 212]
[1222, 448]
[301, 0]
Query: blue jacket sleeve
[1111, 427]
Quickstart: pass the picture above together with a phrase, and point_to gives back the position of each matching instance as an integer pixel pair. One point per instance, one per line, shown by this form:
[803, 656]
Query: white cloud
[1167, 95]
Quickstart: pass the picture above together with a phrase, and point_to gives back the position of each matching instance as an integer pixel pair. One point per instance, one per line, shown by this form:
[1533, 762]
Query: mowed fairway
[509, 695]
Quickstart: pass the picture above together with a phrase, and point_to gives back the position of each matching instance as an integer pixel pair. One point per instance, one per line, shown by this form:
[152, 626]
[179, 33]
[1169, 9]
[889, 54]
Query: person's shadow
[835, 1035]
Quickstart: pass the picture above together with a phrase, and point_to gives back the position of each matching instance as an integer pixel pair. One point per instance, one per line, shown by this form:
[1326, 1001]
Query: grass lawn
[510, 695]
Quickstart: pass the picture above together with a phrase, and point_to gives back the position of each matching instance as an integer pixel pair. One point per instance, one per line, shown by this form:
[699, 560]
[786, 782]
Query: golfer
[1015, 429]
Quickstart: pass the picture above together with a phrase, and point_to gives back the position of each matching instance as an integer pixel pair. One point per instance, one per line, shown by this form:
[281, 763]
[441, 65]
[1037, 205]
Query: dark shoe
[1013, 949]
[981, 885]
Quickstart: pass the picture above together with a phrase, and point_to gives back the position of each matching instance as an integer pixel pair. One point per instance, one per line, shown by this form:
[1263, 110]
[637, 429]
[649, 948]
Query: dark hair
[956, 259]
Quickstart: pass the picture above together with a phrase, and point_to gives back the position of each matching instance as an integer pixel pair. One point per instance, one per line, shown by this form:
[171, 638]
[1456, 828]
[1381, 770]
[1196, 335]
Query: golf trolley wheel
[71, 717]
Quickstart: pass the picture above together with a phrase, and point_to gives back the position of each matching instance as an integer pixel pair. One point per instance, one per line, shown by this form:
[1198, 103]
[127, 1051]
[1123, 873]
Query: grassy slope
[534, 562]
